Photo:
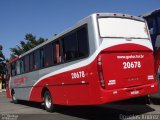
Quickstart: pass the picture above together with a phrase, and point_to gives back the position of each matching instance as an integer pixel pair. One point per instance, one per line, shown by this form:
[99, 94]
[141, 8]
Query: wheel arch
[12, 91]
[43, 91]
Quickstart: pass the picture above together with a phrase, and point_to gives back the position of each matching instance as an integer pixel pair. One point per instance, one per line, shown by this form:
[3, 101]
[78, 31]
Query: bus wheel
[14, 100]
[48, 101]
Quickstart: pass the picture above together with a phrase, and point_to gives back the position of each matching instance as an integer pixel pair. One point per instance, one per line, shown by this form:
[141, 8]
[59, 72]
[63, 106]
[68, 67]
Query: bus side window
[31, 61]
[18, 66]
[41, 58]
[56, 53]
[26, 63]
[22, 67]
[70, 47]
[58, 57]
[48, 55]
[82, 37]
[37, 59]
[13, 69]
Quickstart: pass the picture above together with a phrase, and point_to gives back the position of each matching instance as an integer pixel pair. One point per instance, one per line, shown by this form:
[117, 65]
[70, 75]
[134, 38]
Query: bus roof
[120, 15]
[81, 22]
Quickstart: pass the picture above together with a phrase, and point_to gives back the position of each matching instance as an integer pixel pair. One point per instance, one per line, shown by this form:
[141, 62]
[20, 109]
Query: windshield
[122, 27]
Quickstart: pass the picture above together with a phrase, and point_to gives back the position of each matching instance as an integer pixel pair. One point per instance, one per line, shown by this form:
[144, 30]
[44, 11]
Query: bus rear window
[122, 28]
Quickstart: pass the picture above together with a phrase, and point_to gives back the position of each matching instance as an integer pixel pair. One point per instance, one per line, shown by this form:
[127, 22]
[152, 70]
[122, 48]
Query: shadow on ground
[113, 111]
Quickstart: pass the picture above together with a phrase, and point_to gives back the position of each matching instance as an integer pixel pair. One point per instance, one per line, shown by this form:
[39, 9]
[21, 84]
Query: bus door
[8, 78]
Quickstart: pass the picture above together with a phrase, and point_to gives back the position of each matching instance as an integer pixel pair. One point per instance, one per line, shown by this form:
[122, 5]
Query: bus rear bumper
[127, 93]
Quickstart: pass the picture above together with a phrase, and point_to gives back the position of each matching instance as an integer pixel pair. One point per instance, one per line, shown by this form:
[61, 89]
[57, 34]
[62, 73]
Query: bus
[153, 21]
[103, 58]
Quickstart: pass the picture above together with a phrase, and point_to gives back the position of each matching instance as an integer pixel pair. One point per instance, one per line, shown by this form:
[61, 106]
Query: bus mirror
[151, 31]
[157, 43]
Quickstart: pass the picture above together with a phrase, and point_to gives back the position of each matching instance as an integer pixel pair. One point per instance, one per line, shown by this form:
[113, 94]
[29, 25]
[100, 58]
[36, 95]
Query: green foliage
[31, 42]
[2, 58]
[2, 61]
[1, 47]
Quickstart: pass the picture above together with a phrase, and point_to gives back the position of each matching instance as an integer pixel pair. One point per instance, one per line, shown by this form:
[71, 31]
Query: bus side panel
[82, 89]
[22, 85]
[53, 84]
[36, 95]
[76, 87]
[57, 93]
[22, 93]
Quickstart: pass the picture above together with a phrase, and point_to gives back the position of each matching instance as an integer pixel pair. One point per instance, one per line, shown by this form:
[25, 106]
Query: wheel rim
[48, 101]
[14, 98]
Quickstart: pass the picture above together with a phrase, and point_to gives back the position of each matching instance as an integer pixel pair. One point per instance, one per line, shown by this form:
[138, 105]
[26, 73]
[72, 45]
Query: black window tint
[13, 69]
[22, 66]
[41, 58]
[27, 63]
[70, 49]
[31, 61]
[48, 55]
[82, 42]
[37, 59]
[18, 67]
[56, 53]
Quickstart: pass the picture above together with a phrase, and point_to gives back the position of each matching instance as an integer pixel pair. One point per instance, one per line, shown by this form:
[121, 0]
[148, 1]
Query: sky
[44, 18]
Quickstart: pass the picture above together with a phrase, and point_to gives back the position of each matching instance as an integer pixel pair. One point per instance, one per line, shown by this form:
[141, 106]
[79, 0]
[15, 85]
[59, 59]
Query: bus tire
[14, 100]
[48, 102]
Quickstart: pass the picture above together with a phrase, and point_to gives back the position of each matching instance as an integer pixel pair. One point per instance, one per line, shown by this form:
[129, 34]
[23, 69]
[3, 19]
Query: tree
[2, 68]
[1, 54]
[2, 61]
[30, 42]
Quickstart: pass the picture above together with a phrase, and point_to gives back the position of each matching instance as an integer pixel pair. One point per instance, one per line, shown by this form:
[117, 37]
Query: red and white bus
[103, 58]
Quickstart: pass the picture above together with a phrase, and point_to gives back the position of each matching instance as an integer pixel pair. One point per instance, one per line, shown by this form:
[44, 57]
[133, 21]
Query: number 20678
[79, 74]
[132, 65]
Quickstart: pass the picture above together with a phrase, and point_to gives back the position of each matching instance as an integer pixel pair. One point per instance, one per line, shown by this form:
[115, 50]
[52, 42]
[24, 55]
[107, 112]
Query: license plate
[135, 92]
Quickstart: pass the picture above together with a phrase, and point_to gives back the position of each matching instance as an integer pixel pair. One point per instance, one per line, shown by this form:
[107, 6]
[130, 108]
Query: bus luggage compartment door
[121, 70]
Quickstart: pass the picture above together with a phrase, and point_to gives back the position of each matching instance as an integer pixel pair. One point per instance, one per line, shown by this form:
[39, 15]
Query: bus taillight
[100, 72]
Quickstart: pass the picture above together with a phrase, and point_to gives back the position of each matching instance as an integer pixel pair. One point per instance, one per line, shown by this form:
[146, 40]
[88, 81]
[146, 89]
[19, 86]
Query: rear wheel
[14, 99]
[48, 102]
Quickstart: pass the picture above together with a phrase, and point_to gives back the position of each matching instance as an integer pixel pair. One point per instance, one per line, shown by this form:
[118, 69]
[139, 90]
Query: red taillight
[100, 72]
